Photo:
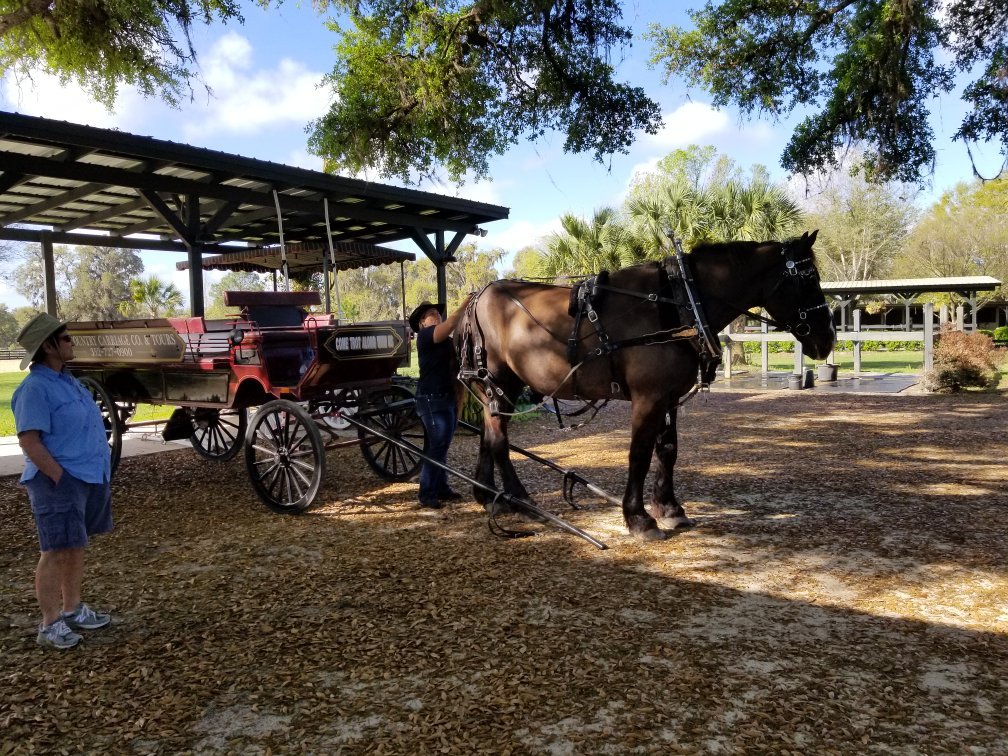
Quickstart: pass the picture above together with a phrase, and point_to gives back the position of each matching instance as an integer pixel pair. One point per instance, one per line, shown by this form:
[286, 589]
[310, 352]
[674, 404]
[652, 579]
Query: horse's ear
[812, 236]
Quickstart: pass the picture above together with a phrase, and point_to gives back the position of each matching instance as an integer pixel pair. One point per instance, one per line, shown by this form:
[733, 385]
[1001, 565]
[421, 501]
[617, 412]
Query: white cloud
[688, 124]
[514, 235]
[304, 159]
[247, 100]
[44, 95]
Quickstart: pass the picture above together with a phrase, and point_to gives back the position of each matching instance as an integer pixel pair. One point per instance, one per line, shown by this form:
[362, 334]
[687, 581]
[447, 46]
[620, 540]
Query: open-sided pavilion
[905, 291]
[62, 183]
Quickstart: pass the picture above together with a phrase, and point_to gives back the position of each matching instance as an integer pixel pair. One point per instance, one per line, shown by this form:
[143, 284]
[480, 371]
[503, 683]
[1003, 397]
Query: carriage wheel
[285, 456]
[332, 408]
[109, 413]
[388, 460]
[219, 433]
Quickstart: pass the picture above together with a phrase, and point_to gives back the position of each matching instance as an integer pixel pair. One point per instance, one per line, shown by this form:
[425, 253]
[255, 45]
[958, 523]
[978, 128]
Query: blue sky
[265, 76]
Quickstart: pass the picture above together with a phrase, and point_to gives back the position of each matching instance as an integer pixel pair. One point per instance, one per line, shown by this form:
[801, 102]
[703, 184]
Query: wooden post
[764, 350]
[928, 335]
[959, 317]
[726, 354]
[799, 357]
[49, 273]
[943, 315]
[857, 342]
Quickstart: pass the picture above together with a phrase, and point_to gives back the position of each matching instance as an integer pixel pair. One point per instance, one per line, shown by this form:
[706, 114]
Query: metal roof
[303, 257]
[907, 287]
[152, 194]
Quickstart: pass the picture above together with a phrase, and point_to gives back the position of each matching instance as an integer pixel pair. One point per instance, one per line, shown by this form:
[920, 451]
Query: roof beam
[71, 195]
[167, 215]
[102, 215]
[92, 240]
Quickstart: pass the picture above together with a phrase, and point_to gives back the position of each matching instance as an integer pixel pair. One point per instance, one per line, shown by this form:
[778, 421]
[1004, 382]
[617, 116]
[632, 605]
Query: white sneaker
[57, 635]
[85, 618]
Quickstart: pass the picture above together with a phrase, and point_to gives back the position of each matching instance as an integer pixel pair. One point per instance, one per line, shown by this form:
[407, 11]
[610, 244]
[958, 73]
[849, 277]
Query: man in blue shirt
[67, 475]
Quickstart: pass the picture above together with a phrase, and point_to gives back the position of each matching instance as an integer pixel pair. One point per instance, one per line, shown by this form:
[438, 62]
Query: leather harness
[678, 306]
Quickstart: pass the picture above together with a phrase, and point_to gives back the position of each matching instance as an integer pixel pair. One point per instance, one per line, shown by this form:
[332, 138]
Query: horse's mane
[706, 248]
[742, 247]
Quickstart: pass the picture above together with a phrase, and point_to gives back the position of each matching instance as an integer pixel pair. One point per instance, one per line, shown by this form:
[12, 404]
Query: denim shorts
[68, 512]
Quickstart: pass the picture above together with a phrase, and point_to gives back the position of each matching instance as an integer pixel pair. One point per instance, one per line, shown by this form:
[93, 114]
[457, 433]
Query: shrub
[962, 360]
[1001, 333]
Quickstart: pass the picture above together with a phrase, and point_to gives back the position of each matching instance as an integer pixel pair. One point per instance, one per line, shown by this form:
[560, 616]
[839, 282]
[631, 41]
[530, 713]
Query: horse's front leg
[646, 419]
[664, 505]
[495, 450]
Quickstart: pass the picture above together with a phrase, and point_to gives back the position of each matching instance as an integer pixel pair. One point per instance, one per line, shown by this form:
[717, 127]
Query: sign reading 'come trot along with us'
[363, 342]
[131, 345]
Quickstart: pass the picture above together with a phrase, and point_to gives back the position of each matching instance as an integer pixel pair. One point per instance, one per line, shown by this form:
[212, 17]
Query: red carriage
[305, 373]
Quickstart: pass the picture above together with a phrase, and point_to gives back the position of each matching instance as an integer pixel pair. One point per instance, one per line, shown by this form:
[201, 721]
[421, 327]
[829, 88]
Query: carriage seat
[273, 309]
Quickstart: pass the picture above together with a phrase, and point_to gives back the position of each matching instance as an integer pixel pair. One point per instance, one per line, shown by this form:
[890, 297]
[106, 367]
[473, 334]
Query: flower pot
[826, 372]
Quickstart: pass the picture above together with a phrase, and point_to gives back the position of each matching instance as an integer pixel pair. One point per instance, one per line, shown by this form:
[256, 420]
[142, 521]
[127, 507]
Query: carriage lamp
[236, 336]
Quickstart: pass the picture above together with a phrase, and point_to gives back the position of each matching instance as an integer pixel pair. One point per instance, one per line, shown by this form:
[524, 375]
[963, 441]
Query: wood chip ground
[845, 591]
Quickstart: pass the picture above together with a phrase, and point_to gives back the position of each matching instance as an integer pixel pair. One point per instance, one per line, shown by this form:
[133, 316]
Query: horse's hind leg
[664, 505]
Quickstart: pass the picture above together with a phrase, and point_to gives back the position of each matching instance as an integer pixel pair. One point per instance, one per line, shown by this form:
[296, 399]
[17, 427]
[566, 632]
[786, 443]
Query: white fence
[735, 339]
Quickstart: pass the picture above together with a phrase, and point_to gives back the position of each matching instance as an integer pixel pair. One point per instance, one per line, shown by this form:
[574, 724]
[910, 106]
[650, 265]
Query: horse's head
[795, 299]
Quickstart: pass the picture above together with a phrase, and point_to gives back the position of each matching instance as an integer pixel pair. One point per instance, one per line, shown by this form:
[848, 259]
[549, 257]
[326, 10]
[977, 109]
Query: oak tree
[866, 69]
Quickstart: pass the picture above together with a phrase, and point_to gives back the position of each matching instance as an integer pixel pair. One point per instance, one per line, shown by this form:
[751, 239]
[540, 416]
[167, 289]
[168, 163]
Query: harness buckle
[592, 315]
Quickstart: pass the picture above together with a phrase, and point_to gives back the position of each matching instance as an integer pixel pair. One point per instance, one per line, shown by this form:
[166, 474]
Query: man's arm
[444, 329]
[35, 450]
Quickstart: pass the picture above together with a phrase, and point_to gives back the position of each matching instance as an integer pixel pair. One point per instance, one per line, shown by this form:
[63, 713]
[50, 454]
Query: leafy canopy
[868, 68]
[422, 85]
[103, 44]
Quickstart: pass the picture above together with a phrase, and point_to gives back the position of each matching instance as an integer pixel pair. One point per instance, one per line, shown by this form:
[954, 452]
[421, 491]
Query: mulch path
[846, 590]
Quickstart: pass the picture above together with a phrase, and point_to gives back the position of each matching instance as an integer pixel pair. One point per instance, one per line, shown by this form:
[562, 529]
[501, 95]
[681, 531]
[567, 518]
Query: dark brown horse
[643, 343]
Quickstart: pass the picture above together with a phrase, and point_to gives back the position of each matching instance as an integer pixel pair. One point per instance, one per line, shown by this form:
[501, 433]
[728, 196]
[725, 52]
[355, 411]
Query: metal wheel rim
[110, 419]
[386, 458]
[285, 456]
[222, 437]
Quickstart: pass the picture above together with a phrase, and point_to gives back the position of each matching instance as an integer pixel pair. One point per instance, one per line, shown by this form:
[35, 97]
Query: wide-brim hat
[34, 334]
[419, 310]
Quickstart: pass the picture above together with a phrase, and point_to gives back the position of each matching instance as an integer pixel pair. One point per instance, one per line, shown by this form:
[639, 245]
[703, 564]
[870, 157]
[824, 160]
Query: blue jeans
[438, 413]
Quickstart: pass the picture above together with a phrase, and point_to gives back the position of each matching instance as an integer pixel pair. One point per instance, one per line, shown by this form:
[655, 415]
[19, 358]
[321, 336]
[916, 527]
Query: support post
[857, 341]
[726, 354]
[928, 335]
[799, 357]
[959, 317]
[49, 273]
[764, 350]
[196, 305]
[442, 275]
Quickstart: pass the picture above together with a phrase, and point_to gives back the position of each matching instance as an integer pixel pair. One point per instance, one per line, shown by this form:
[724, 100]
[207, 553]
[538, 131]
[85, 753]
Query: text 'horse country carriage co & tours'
[646, 334]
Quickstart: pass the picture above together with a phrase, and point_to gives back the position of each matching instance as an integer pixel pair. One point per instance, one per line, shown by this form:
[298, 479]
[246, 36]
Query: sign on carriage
[365, 342]
[133, 345]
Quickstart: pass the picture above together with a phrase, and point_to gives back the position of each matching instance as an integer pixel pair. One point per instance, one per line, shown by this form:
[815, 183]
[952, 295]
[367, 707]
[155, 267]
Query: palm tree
[585, 247]
[152, 297]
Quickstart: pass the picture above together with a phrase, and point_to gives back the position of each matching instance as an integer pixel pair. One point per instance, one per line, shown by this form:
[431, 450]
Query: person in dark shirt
[435, 396]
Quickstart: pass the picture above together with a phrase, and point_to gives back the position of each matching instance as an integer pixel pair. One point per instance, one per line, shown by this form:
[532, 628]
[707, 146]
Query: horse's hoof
[652, 534]
[681, 522]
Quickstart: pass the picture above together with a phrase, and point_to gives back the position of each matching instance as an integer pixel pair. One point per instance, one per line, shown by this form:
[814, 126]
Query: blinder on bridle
[799, 272]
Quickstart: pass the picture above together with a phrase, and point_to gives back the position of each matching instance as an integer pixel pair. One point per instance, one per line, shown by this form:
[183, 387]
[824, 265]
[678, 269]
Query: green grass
[871, 362]
[10, 381]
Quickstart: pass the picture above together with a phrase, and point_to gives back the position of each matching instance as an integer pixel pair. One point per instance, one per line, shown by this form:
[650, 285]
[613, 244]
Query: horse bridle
[793, 271]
